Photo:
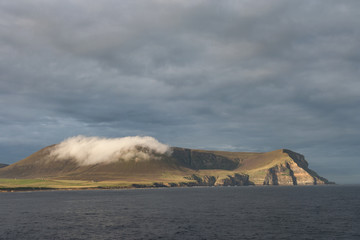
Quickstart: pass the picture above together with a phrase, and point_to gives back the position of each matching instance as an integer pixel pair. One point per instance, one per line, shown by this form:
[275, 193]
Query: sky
[222, 75]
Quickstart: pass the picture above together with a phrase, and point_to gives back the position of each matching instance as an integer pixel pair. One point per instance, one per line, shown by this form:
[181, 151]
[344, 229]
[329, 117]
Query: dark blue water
[312, 212]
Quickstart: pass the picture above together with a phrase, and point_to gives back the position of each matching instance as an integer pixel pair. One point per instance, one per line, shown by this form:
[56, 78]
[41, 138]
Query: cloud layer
[94, 150]
[227, 75]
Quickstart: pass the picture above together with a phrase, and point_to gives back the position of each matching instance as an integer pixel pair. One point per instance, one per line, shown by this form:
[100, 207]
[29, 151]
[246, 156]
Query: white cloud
[94, 150]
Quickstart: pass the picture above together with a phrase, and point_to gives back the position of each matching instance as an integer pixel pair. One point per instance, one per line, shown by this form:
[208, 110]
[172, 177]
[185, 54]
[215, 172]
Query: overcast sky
[225, 75]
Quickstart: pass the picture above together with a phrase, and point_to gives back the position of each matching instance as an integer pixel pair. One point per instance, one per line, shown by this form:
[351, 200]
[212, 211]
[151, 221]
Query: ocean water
[271, 212]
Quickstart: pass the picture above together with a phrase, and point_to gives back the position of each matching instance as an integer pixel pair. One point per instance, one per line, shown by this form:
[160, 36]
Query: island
[178, 167]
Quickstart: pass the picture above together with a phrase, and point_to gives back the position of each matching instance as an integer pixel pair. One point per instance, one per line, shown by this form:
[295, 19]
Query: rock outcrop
[293, 171]
[237, 179]
[234, 180]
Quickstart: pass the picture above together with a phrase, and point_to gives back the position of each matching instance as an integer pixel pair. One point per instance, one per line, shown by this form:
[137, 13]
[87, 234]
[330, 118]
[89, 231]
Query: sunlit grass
[38, 184]
[59, 184]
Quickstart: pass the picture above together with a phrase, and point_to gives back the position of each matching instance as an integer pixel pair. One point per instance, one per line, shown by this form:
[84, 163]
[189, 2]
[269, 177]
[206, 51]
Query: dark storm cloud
[233, 75]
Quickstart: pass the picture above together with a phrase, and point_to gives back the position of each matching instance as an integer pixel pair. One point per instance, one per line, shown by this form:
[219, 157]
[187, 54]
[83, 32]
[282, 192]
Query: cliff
[293, 170]
[280, 167]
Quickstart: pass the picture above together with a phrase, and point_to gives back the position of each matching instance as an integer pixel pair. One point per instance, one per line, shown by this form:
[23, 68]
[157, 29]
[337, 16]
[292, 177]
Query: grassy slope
[7, 184]
[42, 165]
[39, 170]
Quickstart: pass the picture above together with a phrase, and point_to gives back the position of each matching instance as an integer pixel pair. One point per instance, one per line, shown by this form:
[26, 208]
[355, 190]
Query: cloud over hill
[93, 150]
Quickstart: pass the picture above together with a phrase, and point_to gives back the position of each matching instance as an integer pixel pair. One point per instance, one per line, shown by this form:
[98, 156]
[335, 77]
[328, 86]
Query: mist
[94, 150]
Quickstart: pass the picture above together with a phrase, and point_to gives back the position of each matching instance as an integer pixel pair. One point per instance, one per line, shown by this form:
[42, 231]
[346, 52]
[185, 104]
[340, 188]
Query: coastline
[144, 186]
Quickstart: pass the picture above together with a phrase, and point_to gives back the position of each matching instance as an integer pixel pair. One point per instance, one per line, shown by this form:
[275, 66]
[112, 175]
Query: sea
[251, 212]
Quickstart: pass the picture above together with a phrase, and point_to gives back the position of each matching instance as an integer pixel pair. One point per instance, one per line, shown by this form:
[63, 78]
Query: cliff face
[279, 167]
[292, 171]
[197, 159]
